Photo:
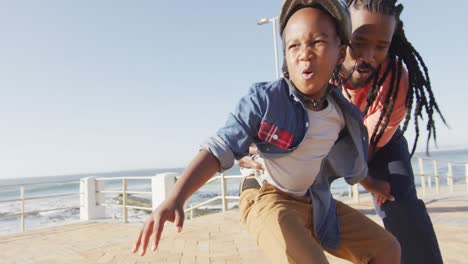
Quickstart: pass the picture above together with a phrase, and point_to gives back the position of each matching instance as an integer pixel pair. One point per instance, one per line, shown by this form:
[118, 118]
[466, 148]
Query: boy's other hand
[380, 189]
[248, 163]
[170, 211]
[253, 150]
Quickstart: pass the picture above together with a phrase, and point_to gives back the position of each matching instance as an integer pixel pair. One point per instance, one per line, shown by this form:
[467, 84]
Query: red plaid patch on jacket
[272, 134]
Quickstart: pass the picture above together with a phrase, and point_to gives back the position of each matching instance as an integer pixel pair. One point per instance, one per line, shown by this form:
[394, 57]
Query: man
[375, 80]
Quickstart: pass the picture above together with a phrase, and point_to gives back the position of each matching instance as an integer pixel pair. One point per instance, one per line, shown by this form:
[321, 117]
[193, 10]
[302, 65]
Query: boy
[311, 136]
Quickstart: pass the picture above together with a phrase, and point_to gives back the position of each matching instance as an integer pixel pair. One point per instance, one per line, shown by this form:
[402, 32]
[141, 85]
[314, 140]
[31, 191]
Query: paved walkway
[217, 238]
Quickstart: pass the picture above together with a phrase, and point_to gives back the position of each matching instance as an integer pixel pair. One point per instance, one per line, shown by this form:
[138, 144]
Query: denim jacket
[273, 116]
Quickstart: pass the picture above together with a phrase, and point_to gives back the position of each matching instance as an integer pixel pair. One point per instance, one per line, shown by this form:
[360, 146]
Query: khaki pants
[282, 226]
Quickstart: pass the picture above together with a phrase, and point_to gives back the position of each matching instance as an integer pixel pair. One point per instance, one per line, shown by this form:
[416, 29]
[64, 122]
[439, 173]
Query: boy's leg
[281, 225]
[406, 218]
[362, 240]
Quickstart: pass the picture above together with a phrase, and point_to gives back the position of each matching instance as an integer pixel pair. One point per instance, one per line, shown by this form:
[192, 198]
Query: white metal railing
[450, 177]
[427, 179]
[124, 191]
[223, 197]
[22, 199]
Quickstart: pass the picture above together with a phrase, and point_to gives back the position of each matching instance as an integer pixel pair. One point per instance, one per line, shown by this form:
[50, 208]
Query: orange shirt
[359, 98]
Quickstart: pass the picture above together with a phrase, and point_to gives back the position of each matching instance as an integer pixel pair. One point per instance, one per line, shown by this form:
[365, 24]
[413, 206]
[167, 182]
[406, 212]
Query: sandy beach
[216, 238]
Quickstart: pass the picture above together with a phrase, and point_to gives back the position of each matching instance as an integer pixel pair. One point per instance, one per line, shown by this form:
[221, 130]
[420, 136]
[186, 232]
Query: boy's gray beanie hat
[336, 8]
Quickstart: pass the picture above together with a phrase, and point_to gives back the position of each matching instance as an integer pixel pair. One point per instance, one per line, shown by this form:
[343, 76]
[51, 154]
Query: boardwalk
[217, 238]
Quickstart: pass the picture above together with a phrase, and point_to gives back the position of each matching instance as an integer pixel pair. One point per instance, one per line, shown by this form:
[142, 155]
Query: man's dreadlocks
[401, 51]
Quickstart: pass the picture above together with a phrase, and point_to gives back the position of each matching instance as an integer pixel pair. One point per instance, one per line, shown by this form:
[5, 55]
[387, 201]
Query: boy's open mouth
[307, 74]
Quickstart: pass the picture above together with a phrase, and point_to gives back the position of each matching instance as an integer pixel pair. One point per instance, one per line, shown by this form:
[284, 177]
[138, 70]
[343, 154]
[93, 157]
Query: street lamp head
[263, 21]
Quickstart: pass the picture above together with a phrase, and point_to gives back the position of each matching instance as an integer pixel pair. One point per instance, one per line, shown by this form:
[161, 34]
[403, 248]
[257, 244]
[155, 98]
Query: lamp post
[272, 20]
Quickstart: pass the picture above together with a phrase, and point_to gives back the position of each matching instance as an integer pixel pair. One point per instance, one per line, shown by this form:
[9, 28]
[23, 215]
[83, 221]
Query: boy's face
[372, 35]
[312, 50]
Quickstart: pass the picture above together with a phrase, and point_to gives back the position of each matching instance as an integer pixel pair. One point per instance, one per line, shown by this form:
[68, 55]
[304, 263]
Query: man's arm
[381, 189]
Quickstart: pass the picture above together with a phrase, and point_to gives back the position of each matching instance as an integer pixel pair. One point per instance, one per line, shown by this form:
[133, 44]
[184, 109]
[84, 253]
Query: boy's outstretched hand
[379, 188]
[169, 210]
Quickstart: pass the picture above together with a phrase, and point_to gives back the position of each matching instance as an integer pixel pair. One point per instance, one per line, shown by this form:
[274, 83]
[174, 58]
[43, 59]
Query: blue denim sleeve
[362, 167]
[360, 174]
[232, 141]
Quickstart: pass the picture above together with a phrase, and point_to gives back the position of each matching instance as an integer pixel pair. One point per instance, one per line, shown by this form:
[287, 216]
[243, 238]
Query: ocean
[11, 224]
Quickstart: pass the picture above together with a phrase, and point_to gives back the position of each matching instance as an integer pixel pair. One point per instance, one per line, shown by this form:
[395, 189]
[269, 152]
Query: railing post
[356, 193]
[429, 182]
[91, 201]
[22, 207]
[421, 171]
[124, 200]
[436, 176]
[450, 176]
[161, 185]
[191, 211]
[350, 191]
[466, 176]
[223, 192]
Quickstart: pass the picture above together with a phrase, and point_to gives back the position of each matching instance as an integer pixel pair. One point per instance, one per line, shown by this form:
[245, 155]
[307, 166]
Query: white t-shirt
[295, 172]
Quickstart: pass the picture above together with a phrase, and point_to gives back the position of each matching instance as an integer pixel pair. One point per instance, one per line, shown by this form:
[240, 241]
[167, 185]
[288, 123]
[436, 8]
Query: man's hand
[170, 211]
[380, 189]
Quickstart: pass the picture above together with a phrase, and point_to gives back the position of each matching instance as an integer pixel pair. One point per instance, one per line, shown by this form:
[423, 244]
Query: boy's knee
[395, 247]
[390, 252]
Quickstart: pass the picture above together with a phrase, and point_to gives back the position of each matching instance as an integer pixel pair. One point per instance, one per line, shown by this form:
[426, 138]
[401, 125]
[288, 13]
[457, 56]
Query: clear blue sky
[93, 86]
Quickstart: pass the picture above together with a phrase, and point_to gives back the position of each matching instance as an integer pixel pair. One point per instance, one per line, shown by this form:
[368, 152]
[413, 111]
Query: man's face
[372, 35]
[312, 50]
